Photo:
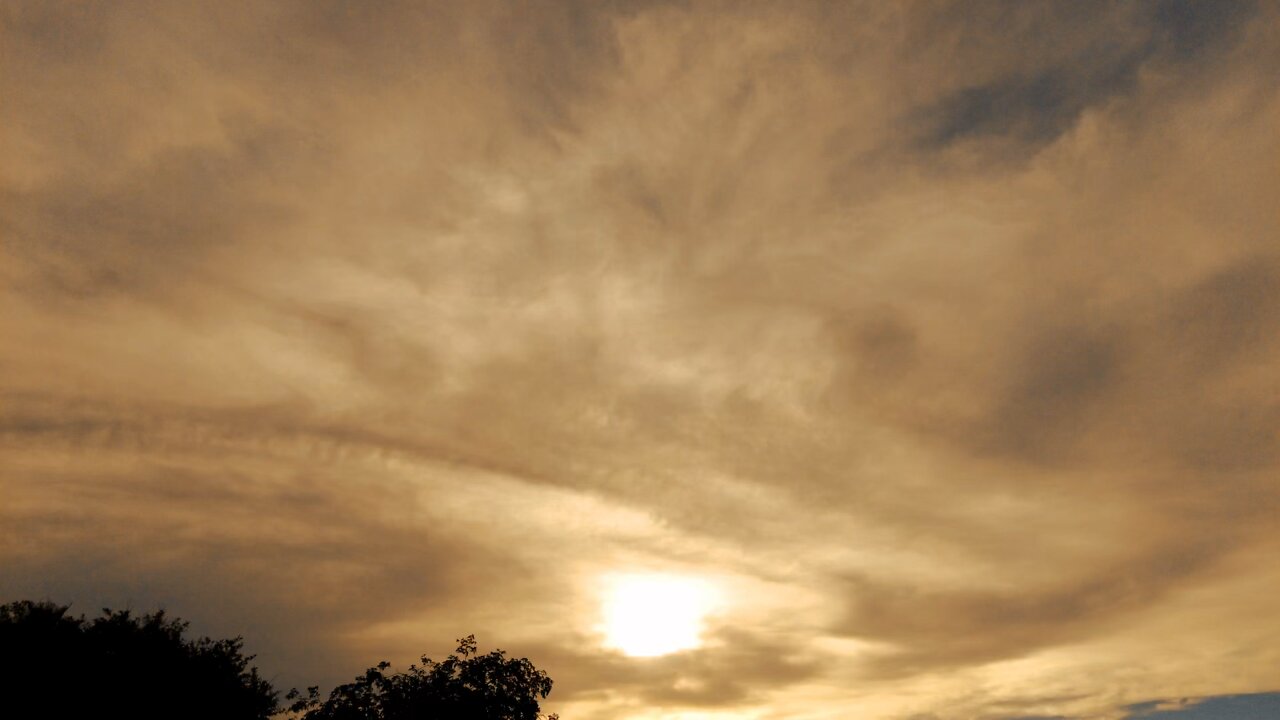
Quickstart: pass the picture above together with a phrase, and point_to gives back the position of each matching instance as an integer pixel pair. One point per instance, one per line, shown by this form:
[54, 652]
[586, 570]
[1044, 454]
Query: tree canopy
[138, 666]
[141, 667]
[464, 686]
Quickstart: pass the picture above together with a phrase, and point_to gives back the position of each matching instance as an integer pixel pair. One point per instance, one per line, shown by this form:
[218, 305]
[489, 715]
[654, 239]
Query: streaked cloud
[942, 337]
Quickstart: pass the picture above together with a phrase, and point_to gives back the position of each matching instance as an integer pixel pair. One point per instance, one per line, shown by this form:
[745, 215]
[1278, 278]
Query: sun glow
[646, 615]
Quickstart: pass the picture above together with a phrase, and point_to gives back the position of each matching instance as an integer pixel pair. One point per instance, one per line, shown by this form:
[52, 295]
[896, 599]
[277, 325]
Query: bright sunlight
[647, 614]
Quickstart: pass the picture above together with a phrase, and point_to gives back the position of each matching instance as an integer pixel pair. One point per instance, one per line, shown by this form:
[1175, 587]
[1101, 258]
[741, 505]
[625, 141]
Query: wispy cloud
[943, 335]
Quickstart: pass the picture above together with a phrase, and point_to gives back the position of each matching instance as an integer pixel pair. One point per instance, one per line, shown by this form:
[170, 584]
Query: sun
[650, 614]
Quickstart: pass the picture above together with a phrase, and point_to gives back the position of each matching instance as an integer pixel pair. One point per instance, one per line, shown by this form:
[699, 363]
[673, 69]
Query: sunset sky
[729, 360]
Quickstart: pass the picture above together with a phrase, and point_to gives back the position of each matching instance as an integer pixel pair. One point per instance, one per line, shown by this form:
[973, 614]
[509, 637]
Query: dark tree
[139, 667]
[464, 686]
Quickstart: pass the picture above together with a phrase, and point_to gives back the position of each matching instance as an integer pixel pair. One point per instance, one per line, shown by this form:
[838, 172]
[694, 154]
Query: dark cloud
[1189, 29]
[296, 559]
[155, 225]
[1070, 58]
[1229, 313]
[1060, 378]
[1033, 110]
[930, 629]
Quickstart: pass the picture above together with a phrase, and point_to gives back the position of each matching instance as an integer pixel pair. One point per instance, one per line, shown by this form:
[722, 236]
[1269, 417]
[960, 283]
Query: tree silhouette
[141, 667]
[464, 686]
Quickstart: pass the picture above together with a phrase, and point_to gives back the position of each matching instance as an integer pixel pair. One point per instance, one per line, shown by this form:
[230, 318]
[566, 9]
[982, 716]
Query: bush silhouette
[464, 686]
[141, 667]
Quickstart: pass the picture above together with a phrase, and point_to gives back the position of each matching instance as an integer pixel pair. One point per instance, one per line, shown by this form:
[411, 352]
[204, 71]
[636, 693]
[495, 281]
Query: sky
[930, 349]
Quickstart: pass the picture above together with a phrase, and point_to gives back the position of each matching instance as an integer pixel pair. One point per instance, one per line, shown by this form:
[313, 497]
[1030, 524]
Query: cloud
[1064, 62]
[737, 667]
[931, 628]
[942, 334]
